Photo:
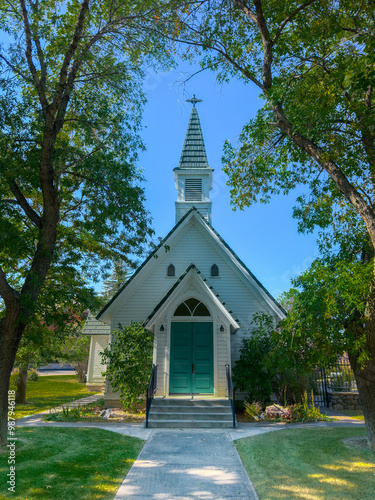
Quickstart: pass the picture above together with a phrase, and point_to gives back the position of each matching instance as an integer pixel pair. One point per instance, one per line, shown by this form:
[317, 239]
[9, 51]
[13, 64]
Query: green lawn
[66, 464]
[357, 414]
[309, 464]
[50, 391]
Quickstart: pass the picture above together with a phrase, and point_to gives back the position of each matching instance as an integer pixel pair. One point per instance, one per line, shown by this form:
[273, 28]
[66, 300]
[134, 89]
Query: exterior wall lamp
[221, 328]
[162, 328]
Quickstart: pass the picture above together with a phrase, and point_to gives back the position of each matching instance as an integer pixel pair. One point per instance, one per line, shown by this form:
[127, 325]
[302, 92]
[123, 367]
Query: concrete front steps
[190, 413]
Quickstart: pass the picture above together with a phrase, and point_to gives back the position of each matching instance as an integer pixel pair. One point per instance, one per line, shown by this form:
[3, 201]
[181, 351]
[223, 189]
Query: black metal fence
[337, 378]
[319, 387]
[340, 377]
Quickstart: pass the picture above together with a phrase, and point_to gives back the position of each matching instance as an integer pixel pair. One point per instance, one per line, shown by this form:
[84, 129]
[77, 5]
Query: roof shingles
[95, 327]
[193, 153]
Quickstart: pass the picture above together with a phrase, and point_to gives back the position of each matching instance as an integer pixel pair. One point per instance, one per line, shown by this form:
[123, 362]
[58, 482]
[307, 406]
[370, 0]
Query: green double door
[192, 363]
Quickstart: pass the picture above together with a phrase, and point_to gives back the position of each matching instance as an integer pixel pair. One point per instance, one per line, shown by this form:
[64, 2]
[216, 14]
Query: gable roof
[227, 248]
[192, 267]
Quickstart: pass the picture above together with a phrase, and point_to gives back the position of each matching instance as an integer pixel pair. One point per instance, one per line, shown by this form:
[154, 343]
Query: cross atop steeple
[193, 100]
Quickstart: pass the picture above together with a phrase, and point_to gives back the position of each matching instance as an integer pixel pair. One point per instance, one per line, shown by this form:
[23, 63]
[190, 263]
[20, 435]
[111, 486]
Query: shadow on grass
[311, 464]
[67, 464]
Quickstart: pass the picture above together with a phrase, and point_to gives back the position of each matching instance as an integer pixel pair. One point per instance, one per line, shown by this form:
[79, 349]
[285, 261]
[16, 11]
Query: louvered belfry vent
[193, 189]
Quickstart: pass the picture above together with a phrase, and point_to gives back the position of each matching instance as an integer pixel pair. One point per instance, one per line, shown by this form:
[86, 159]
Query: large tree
[71, 198]
[314, 65]
[327, 307]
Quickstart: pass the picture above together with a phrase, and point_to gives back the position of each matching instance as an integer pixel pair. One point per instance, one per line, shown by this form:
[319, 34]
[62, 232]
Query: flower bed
[94, 412]
[303, 412]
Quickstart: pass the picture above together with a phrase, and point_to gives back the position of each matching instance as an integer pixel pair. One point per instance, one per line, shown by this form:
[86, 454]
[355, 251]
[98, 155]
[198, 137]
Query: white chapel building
[198, 298]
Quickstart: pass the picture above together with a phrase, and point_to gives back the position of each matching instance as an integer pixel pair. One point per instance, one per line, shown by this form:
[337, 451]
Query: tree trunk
[365, 375]
[9, 341]
[21, 385]
[366, 388]
[6, 366]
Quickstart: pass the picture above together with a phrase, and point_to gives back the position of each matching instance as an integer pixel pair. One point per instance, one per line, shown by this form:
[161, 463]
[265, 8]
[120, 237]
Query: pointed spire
[194, 152]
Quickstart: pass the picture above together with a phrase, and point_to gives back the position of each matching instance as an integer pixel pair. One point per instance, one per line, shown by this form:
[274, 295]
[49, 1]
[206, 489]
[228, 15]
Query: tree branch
[83, 177]
[29, 58]
[43, 66]
[14, 8]
[210, 66]
[320, 156]
[79, 160]
[8, 294]
[15, 69]
[289, 18]
[69, 56]
[239, 67]
[73, 207]
[22, 202]
[247, 11]
[214, 45]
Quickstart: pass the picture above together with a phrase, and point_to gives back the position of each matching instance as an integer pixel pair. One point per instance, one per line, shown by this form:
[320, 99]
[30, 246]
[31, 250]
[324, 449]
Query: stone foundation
[344, 400]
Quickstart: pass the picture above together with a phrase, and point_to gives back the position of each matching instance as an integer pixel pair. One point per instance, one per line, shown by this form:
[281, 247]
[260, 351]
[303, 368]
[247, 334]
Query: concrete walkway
[187, 464]
[39, 416]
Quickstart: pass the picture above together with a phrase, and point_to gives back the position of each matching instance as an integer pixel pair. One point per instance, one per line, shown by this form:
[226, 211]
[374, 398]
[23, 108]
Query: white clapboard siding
[192, 247]
[95, 368]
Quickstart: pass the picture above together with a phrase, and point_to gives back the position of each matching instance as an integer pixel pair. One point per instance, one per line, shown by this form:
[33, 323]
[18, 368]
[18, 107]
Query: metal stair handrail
[151, 389]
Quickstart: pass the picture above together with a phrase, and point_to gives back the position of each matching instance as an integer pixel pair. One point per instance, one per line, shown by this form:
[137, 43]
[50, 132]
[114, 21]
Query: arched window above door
[192, 307]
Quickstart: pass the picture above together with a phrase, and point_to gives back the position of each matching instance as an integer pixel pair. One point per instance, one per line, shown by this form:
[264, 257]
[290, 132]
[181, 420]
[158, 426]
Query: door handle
[193, 368]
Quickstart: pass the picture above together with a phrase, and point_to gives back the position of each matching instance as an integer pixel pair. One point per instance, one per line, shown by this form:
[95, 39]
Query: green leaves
[129, 363]
[314, 64]
[251, 373]
[327, 311]
[71, 103]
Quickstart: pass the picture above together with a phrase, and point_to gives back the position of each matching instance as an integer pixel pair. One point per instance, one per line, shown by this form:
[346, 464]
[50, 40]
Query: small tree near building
[269, 364]
[129, 363]
[75, 350]
[251, 373]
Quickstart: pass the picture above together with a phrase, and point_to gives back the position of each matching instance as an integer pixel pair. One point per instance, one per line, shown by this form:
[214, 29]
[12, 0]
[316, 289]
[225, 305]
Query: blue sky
[265, 237]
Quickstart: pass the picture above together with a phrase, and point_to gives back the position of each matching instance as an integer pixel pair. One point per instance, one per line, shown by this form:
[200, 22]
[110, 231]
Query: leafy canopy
[314, 65]
[71, 101]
